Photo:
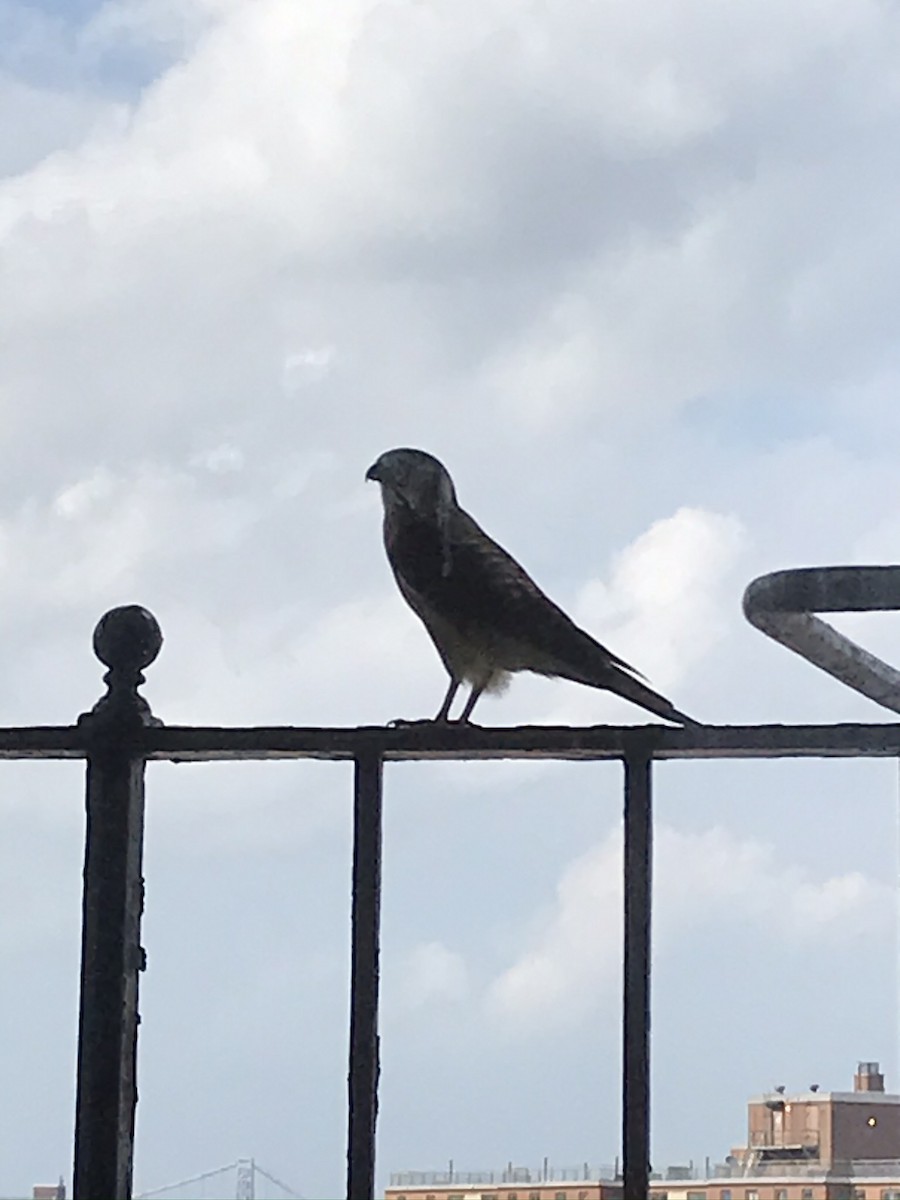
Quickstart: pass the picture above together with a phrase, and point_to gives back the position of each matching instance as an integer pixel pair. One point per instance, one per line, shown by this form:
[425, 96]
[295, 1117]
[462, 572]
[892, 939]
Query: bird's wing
[480, 595]
[487, 588]
[522, 612]
[486, 592]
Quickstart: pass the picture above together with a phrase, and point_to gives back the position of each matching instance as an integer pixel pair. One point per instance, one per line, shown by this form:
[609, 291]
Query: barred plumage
[486, 616]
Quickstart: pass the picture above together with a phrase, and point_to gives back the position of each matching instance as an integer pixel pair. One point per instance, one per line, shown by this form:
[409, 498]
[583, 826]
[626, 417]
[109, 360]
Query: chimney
[868, 1078]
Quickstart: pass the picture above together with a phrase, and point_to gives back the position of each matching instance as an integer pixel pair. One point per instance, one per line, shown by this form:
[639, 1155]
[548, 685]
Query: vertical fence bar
[366, 911]
[111, 958]
[638, 854]
[126, 639]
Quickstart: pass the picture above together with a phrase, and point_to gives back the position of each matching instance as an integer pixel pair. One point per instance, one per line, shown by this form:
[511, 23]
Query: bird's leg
[444, 712]
[470, 703]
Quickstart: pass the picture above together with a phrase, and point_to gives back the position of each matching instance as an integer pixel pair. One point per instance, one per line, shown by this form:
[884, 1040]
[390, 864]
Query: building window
[560, 1196]
[806, 1194]
[751, 1194]
[696, 1196]
[725, 1194]
[859, 1194]
[534, 1196]
[890, 1194]
[781, 1194]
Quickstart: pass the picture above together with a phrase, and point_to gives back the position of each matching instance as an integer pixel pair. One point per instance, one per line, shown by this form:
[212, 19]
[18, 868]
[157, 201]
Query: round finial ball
[127, 638]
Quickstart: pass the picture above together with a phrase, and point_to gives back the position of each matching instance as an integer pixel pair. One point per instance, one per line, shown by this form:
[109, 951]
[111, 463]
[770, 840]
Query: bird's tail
[632, 689]
[614, 679]
[574, 654]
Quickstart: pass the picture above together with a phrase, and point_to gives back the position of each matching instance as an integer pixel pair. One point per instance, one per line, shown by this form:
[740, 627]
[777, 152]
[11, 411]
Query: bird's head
[414, 480]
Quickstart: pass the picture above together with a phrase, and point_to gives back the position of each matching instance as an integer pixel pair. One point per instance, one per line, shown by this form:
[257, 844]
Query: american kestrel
[485, 614]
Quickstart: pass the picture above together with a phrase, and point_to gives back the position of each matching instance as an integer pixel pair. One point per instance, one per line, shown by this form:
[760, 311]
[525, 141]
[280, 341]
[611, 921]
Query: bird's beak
[373, 474]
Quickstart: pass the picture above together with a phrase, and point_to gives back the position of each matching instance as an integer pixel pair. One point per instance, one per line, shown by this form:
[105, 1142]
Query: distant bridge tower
[246, 1179]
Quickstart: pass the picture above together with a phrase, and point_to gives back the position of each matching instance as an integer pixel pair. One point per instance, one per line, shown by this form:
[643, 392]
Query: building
[810, 1145]
[49, 1191]
[830, 1130]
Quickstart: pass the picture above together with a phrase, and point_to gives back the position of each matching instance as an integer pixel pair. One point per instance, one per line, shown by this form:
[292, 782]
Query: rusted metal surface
[564, 743]
[590, 743]
[43, 741]
[113, 901]
[362, 1081]
[120, 735]
[782, 605]
[638, 879]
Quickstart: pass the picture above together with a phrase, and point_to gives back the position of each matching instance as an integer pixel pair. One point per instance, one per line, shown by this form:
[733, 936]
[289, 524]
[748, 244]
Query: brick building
[810, 1145]
[49, 1191]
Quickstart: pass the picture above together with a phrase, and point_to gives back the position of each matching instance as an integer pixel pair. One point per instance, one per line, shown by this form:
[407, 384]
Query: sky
[630, 269]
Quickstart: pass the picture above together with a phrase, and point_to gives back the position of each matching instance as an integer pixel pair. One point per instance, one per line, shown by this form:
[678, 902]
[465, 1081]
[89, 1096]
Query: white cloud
[174, 24]
[219, 460]
[80, 499]
[667, 590]
[307, 366]
[574, 960]
[431, 974]
[334, 129]
[106, 532]
[665, 607]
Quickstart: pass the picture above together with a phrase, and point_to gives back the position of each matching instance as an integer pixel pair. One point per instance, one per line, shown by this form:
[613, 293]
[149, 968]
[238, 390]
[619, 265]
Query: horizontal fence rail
[417, 743]
[119, 736]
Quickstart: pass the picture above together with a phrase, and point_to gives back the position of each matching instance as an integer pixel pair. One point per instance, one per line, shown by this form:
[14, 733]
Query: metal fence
[120, 735]
[546, 1173]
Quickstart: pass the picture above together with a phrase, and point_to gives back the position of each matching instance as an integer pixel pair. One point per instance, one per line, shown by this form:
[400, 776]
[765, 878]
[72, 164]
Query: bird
[487, 617]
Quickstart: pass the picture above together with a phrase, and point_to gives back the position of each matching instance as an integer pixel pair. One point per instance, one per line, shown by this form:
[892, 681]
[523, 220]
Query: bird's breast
[415, 550]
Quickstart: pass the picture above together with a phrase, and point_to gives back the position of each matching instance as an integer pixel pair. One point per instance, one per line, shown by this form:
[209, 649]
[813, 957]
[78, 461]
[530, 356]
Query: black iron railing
[120, 735]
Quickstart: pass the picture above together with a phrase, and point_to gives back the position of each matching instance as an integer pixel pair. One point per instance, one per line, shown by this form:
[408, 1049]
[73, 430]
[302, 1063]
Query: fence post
[126, 639]
[366, 915]
[638, 859]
